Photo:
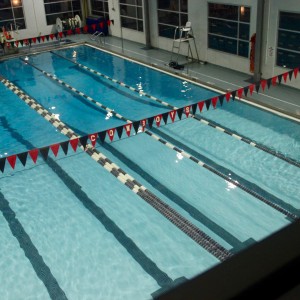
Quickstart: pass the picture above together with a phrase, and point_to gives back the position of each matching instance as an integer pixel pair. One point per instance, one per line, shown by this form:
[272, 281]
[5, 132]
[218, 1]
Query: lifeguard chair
[183, 34]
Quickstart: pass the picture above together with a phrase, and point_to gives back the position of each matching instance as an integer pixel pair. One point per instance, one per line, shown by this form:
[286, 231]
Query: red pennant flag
[214, 101]
[285, 76]
[60, 34]
[111, 133]
[158, 119]
[240, 92]
[51, 36]
[201, 105]
[69, 32]
[143, 123]
[12, 160]
[94, 26]
[108, 22]
[33, 40]
[127, 128]
[93, 138]
[227, 96]
[43, 38]
[77, 30]
[172, 115]
[85, 28]
[263, 84]
[74, 143]
[55, 149]
[17, 43]
[296, 70]
[274, 80]
[34, 154]
[101, 25]
[187, 111]
[251, 89]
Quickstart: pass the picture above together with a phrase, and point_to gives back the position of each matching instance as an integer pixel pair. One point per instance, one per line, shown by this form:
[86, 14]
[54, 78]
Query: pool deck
[282, 98]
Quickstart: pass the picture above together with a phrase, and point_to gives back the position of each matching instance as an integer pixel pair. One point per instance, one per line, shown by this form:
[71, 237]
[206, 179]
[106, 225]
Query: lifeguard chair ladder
[185, 35]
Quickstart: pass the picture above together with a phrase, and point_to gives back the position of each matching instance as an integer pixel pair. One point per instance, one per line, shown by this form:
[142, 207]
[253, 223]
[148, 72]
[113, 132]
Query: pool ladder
[99, 36]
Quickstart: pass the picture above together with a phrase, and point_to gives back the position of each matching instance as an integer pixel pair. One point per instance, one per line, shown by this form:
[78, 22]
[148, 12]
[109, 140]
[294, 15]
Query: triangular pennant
[251, 89]
[136, 125]
[51, 36]
[55, 149]
[187, 110]
[101, 24]
[29, 41]
[165, 117]
[158, 120]
[60, 34]
[246, 89]
[112, 22]
[74, 143]
[274, 80]
[83, 141]
[12, 44]
[39, 39]
[69, 32]
[201, 105]
[291, 74]
[227, 96]
[12, 160]
[34, 40]
[102, 135]
[221, 99]
[23, 157]
[108, 22]
[179, 113]
[279, 78]
[172, 115]
[127, 128]
[65, 33]
[17, 43]
[207, 103]
[214, 101]
[34, 154]
[77, 30]
[93, 138]
[150, 121]
[257, 86]
[21, 42]
[2, 164]
[44, 151]
[85, 28]
[56, 35]
[111, 133]
[285, 75]
[93, 27]
[296, 70]
[47, 37]
[263, 84]
[233, 94]
[120, 131]
[194, 108]
[240, 92]
[269, 80]
[65, 147]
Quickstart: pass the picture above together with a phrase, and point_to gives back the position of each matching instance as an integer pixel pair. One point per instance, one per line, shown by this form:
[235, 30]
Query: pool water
[71, 230]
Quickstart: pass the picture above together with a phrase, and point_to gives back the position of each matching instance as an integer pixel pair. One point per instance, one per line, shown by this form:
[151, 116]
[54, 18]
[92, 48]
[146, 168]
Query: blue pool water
[70, 229]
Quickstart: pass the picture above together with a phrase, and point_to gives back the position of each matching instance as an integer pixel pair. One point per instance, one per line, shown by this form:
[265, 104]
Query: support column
[147, 25]
[259, 40]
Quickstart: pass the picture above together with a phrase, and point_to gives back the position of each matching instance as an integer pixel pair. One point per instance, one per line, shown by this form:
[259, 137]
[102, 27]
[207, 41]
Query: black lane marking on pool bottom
[172, 215]
[197, 117]
[194, 212]
[31, 252]
[227, 178]
[162, 279]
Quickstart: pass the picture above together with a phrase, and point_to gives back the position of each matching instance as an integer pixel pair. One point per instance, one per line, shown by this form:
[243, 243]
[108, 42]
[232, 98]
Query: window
[132, 14]
[229, 28]
[12, 15]
[171, 13]
[100, 8]
[63, 9]
[288, 44]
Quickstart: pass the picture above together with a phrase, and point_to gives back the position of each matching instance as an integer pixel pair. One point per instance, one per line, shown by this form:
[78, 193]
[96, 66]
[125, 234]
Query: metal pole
[122, 42]
[259, 40]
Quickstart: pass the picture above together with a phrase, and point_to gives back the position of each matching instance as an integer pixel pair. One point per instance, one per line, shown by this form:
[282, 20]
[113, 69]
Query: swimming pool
[170, 216]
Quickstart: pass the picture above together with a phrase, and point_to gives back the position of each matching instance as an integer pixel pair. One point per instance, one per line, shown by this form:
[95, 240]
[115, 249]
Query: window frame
[12, 23]
[137, 21]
